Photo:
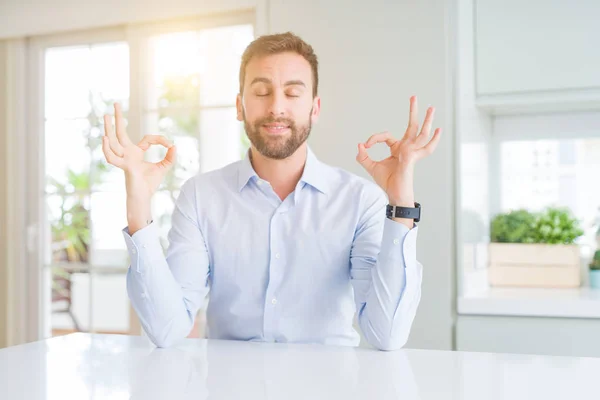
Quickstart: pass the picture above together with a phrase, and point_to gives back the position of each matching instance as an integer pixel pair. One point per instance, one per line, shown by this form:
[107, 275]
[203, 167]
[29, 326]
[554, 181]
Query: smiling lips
[276, 128]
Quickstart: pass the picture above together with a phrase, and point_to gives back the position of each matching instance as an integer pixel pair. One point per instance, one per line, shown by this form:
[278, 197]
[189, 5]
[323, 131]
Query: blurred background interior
[511, 197]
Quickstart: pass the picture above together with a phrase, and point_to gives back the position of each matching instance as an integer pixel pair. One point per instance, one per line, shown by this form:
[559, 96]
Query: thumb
[363, 158]
[169, 159]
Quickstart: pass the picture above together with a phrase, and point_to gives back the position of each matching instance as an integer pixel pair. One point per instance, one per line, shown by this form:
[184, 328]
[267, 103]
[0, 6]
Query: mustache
[271, 120]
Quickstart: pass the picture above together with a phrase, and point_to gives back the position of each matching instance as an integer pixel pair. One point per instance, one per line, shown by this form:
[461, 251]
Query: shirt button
[274, 301]
[277, 255]
[144, 246]
[396, 241]
[133, 251]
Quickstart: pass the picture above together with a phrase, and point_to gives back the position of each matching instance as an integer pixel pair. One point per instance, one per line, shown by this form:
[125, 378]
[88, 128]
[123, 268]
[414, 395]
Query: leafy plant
[512, 227]
[71, 230]
[554, 225]
[595, 264]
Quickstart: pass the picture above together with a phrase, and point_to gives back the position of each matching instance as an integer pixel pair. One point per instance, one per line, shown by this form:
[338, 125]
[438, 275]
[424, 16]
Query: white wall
[373, 56]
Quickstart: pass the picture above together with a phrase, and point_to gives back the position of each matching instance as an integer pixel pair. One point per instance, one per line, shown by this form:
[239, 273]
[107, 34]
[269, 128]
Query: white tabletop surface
[83, 366]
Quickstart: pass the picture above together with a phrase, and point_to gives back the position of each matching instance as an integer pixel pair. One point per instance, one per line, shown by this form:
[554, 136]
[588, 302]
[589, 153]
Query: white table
[83, 366]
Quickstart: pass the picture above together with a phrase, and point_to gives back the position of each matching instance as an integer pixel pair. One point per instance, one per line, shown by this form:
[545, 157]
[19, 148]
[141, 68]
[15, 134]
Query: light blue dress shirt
[296, 270]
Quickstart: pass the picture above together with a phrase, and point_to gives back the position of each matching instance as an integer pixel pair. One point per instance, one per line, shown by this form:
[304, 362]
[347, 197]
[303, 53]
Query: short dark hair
[280, 43]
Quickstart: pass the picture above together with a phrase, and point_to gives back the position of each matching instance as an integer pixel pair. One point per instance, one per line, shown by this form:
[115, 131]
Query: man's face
[277, 105]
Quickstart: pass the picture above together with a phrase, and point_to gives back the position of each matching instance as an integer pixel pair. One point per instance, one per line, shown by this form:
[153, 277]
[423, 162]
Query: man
[289, 247]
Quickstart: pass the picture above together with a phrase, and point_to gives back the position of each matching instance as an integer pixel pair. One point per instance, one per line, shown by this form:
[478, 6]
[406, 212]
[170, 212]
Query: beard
[277, 147]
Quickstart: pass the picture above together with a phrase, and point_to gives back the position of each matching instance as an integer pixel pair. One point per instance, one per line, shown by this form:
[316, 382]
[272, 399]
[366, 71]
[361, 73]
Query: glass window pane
[221, 138]
[197, 68]
[530, 171]
[542, 173]
[68, 82]
[173, 122]
[176, 60]
[68, 228]
[109, 70]
[222, 50]
[82, 83]
[82, 77]
[187, 164]
[162, 210]
[110, 303]
[109, 217]
[62, 137]
[70, 304]
[107, 178]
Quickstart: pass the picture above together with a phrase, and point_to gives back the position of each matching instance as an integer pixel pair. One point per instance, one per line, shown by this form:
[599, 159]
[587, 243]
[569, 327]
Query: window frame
[136, 36]
[528, 127]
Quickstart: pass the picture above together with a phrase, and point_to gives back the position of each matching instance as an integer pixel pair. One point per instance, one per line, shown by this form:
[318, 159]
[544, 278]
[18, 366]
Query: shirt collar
[314, 173]
[245, 171]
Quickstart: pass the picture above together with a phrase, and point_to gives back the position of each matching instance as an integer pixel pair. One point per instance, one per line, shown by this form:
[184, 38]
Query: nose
[277, 105]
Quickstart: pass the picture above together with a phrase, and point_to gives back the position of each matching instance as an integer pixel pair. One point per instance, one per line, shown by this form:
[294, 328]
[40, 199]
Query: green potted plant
[595, 271]
[535, 249]
[595, 264]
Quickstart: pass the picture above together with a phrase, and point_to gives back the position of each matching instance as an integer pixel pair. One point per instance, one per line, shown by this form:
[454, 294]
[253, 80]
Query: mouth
[276, 128]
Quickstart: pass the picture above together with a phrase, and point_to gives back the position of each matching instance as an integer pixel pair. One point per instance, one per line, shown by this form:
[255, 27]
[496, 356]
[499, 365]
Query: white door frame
[134, 35]
[36, 216]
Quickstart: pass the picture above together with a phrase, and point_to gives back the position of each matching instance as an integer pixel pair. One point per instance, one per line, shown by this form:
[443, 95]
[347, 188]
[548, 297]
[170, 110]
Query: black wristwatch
[404, 212]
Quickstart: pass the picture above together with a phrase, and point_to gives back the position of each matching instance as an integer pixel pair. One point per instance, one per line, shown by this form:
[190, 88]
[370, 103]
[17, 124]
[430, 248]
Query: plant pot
[534, 265]
[595, 278]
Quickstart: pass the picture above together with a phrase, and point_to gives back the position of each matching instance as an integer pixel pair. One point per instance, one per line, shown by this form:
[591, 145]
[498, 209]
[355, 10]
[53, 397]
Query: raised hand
[395, 173]
[142, 177]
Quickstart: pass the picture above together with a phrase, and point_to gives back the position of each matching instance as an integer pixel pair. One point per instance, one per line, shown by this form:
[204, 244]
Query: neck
[283, 175]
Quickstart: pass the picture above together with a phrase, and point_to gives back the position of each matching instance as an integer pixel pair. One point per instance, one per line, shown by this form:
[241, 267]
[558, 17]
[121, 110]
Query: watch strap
[404, 212]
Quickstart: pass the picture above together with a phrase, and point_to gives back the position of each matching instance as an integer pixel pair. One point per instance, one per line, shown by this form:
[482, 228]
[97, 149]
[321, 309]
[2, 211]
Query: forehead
[279, 68]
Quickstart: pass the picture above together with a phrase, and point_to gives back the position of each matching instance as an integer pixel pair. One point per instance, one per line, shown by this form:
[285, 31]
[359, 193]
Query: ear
[316, 109]
[239, 107]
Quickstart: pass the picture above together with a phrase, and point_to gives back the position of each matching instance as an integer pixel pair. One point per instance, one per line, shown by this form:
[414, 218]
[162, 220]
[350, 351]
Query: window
[184, 79]
[81, 83]
[542, 165]
[537, 174]
[191, 100]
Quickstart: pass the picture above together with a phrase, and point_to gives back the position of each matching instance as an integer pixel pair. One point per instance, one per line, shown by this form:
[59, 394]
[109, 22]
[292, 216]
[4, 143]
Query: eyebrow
[269, 82]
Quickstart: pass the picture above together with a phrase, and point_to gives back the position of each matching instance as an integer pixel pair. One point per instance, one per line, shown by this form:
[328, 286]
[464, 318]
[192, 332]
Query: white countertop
[83, 366]
[559, 303]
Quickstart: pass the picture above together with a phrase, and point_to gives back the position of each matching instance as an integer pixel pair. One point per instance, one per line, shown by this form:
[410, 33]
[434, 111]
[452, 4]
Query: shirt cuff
[400, 241]
[143, 246]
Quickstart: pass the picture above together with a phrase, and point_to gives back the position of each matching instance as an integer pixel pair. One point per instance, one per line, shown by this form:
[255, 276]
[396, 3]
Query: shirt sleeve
[167, 292]
[386, 276]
